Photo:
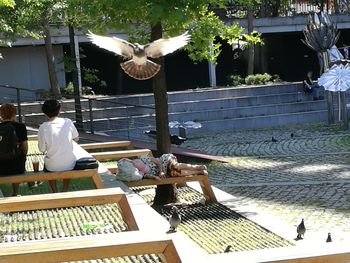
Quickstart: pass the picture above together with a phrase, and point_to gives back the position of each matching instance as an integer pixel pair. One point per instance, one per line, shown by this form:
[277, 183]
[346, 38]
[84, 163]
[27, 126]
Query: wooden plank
[207, 190]
[46, 176]
[178, 151]
[127, 214]
[107, 145]
[87, 248]
[202, 179]
[67, 199]
[121, 154]
[113, 170]
[96, 178]
[32, 137]
[168, 180]
[170, 254]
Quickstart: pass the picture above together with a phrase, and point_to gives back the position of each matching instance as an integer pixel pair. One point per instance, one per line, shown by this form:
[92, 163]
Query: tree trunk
[164, 193]
[250, 18]
[77, 103]
[55, 91]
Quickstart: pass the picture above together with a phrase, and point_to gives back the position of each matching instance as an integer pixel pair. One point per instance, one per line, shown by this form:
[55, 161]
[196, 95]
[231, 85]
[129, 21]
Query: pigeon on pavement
[138, 66]
[329, 238]
[228, 249]
[301, 229]
[273, 139]
[174, 220]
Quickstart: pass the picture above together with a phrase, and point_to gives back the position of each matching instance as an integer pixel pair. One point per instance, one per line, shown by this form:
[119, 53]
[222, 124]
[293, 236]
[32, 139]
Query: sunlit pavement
[304, 174]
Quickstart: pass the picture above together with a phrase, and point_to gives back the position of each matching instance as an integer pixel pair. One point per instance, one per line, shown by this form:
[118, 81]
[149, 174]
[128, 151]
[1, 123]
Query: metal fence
[284, 8]
[100, 114]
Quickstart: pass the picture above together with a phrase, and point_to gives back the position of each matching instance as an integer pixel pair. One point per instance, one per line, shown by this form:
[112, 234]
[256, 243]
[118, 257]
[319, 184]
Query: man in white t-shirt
[55, 139]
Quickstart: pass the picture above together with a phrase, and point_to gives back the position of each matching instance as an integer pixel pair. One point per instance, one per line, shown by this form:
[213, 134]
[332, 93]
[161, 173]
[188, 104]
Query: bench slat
[121, 154]
[87, 248]
[106, 145]
[46, 176]
[168, 180]
[70, 199]
[202, 179]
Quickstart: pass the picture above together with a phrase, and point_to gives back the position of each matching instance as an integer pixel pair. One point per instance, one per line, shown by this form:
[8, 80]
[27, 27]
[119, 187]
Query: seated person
[15, 164]
[309, 86]
[55, 139]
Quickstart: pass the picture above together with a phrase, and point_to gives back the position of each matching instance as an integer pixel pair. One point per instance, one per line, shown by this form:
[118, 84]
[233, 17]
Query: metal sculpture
[320, 35]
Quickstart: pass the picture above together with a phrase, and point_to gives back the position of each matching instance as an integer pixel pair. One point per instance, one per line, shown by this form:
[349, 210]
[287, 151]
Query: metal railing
[100, 114]
[272, 8]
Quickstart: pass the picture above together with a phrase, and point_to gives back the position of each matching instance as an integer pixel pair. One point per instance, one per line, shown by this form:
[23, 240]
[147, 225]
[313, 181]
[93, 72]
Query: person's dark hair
[51, 108]
[7, 111]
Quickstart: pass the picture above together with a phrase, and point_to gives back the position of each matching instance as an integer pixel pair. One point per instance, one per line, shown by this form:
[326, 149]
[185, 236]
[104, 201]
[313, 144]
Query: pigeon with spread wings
[138, 66]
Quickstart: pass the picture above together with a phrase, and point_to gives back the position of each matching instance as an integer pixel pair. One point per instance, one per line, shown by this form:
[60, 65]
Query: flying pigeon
[329, 238]
[301, 229]
[174, 220]
[138, 66]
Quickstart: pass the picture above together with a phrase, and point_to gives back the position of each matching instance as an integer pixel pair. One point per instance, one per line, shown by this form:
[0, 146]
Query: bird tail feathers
[140, 72]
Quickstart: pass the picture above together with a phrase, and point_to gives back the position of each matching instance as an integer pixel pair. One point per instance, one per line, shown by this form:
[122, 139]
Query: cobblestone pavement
[305, 174]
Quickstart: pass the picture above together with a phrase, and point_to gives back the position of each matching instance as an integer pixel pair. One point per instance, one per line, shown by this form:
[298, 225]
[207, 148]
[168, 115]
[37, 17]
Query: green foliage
[8, 3]
[69, 89]
[90, 76]
[203, 36]
[258, 79]
[235, 80]
[137, 17]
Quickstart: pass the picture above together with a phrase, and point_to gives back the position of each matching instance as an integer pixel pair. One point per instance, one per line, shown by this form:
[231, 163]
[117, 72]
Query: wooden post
[207, 190]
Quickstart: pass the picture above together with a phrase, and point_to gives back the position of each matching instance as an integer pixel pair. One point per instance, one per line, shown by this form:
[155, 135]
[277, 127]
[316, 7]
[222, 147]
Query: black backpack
[9, 147]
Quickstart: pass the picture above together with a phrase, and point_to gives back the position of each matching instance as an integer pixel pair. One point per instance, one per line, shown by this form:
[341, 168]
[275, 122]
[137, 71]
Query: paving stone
[306, 176]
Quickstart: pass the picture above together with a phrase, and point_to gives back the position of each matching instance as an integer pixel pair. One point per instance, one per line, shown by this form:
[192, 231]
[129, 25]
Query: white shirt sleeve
[75, 133]
[41, 139]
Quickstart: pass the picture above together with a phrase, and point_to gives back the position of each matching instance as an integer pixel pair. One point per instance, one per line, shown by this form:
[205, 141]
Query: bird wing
[162, 47]
[114, 44]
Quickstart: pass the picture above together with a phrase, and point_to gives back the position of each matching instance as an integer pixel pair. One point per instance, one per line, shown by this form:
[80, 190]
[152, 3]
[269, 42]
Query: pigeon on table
[301, 229]
[174, 220]
[139, 66]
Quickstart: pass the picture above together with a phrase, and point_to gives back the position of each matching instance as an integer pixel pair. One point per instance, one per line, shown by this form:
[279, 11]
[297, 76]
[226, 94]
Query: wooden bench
[83, 247]
[46, 176]
[115, 155]
[70, 199]
[202, 179]
[89, 248]
[32, 137]
[107, 145]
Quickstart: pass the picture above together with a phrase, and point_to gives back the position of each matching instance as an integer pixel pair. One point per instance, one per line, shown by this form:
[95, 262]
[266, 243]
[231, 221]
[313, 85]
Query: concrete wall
[26, 67]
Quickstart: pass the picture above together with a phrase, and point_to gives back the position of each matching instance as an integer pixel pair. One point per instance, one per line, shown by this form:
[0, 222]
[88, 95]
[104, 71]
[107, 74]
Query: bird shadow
[170, 231]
